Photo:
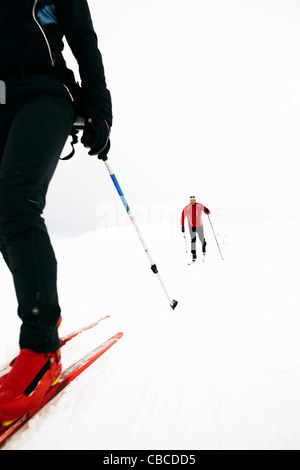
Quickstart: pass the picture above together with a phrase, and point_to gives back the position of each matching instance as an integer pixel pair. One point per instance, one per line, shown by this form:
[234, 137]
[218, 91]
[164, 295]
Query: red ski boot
[27, 383]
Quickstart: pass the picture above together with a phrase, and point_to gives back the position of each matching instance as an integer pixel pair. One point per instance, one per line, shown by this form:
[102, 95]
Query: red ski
[63, 341]
[70, 336]
[66, 377]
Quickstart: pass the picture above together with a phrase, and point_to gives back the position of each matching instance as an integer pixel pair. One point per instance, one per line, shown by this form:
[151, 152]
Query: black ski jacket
[31, 33]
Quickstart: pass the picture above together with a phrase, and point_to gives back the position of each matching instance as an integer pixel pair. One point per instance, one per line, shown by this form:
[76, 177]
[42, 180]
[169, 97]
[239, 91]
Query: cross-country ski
[149, 169]
[63, 341]
[66, 377]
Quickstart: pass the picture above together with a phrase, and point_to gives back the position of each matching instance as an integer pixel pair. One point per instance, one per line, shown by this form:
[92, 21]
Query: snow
[221, 371]
[209, 104]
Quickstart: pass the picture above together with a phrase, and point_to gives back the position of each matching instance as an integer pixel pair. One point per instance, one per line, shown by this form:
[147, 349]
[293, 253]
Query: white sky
[206, 100]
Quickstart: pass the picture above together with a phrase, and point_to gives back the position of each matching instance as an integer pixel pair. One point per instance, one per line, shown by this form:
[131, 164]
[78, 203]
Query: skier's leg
[35, 140]
[4, 118]
[200, 233]
[193, 241]
[202, 240]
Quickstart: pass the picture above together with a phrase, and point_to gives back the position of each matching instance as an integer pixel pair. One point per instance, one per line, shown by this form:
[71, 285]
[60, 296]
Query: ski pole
[185, 243]
[172, 303]
[215, 236]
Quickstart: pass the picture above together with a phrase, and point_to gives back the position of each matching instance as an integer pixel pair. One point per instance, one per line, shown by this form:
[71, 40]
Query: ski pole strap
[78, 125]
[74, 135]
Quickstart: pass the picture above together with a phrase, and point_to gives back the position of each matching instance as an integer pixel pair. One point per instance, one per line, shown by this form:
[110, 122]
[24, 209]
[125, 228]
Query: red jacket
[193, 214]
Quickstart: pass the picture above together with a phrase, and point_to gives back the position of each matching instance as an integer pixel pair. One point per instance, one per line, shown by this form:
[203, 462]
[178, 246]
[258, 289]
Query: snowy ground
[222, 371]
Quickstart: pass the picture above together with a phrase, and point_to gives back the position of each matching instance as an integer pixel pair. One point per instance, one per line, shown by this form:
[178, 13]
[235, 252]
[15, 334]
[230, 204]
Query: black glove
[96, 137]
[207, 211]
[183, 229]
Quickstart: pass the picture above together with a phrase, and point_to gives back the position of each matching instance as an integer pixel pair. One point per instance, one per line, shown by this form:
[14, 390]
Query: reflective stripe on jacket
[193, 214]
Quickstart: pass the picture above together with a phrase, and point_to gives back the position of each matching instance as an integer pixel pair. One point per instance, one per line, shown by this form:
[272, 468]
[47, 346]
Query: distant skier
[193, 212]
[42, 101]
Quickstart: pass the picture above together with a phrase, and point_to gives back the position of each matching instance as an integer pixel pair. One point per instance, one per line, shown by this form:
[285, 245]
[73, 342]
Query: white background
[206, 100]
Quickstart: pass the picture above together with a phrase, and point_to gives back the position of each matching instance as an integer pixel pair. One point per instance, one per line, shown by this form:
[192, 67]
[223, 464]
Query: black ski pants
[34, 126]
[194, 231]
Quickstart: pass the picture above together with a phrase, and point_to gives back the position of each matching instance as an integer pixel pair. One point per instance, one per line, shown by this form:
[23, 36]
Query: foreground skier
[193, 212]
[42, 100]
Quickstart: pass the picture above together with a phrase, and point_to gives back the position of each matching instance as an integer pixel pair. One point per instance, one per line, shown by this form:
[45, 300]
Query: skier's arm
[182, 220]
[77, 26]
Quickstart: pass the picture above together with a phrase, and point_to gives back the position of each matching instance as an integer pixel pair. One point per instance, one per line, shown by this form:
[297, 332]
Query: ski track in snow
[221, 371]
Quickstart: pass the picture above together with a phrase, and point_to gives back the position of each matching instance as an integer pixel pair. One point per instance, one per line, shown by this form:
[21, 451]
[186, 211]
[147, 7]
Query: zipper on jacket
[43, 33]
